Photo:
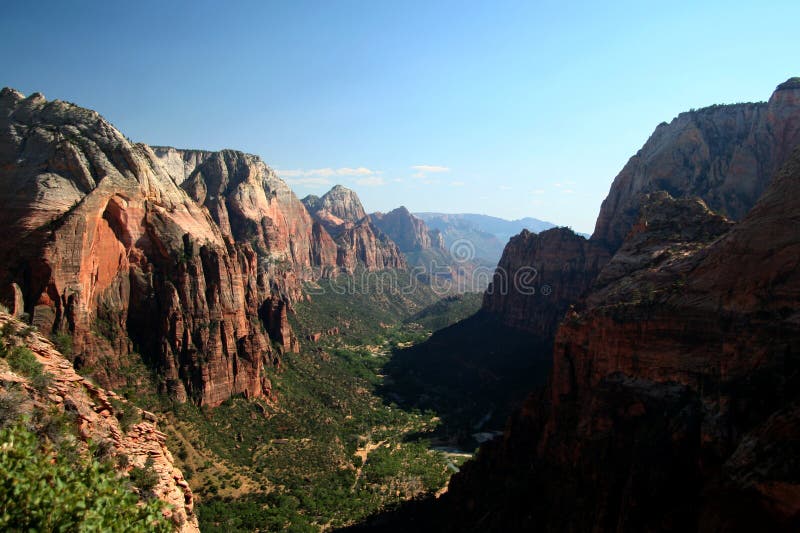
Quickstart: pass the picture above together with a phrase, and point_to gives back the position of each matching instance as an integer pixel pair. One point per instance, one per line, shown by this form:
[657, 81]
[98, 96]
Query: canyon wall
[673, 400]
[187, 259]
[93, 416]
[724, 155]
[358, 240]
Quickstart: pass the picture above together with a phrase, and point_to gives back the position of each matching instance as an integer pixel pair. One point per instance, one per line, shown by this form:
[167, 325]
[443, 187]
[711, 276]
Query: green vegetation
[53, 491]
[362, 306]
[473, 373]
[126, 413]
[448, 310]
[329, 451]
[20, 358]
[63, 343]
[326, 450]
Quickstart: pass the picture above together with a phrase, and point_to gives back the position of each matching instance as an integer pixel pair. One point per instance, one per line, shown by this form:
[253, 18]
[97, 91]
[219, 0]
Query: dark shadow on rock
[473, 374]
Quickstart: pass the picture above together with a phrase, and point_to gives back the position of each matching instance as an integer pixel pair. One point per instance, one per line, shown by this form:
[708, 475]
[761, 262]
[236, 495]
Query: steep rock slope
[724, 154]
[358, 240]
[94, 412]
[252, 205]
[337, 206]
[110, 249]
[409, 232]
[450, 269]
[673, 402]
[540, 276]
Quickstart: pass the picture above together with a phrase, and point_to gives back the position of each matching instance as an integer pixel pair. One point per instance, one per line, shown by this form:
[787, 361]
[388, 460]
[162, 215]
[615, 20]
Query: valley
[196, 340]
[327, 448]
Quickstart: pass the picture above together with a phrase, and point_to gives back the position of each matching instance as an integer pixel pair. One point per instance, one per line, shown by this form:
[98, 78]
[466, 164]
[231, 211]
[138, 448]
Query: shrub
[51, 493]
[22, 360]
[63, 343]
[127, 414]
[144, 478]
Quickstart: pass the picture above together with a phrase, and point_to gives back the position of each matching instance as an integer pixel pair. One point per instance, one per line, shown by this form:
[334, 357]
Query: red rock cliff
[95, 414]
[111, 249]
[540, 276]
[724, 154]
[358, 240]
[673, 402]
[409, 232]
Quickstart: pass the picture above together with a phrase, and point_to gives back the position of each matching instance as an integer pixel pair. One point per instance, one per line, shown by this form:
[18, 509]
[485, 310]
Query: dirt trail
[363, 453]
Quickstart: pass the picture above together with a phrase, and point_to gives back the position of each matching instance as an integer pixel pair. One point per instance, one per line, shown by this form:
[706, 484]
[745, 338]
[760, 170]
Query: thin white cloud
[568, 191]
[360, 171]
[326, 172]
[422, 171]
[371, 181]
[310, 181]
[537, 191]
[457, 183]
[430, 168]
[504, 187]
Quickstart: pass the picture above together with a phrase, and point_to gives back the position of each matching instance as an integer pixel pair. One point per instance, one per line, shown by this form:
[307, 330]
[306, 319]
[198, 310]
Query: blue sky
[506, 108]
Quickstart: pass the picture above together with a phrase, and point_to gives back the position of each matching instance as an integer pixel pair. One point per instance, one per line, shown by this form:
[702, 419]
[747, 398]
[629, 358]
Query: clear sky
[506, 108]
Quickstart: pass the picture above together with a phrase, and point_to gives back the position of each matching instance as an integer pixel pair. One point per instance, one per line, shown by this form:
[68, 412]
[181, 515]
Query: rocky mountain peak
[724, 154]
[792, 84]
[409, 232]
[343, 203]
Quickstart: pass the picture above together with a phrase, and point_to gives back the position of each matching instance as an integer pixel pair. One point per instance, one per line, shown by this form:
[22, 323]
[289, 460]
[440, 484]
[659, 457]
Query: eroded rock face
[340, 203]
[251, 205]
[358, 240]
[409, 232]
[96, 412]
[725, 155]
[540, 276]
[174, 255]
[673, 402]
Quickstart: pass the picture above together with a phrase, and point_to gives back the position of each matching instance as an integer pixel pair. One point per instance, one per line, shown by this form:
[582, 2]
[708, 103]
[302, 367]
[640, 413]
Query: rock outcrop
[359, 242]
[337, 206]
[673, 402]
[540, 276]
[252, 205]
[723, 154]
[409, 232]
[95, 413]
[188, 258]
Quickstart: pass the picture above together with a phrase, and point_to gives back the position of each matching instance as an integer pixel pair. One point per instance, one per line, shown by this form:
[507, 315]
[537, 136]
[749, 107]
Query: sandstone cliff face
[359, 242]
[339, 203]
[95, 413]
[109, 248]
[409, 232]
[540, 276]
[673, 402]
[252, 205]
[725, 155]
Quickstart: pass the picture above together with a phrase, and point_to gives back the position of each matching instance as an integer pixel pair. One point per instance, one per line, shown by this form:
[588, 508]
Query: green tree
[41, 490]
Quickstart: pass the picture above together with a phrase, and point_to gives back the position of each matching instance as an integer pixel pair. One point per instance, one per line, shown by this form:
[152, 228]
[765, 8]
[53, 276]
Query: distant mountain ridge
[487, 234]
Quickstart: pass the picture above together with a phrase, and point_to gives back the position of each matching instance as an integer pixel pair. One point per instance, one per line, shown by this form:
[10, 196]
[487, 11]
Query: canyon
[190, 260]
[672, 401]
[651, 369]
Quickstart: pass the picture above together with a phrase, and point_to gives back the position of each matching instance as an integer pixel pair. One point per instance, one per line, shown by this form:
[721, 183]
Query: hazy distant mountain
[487, 234]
